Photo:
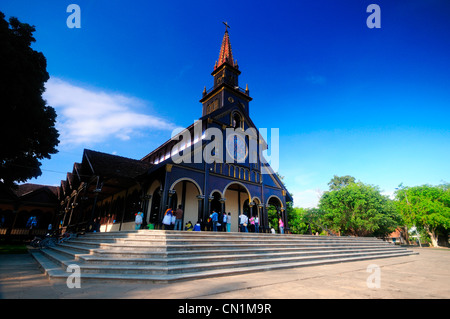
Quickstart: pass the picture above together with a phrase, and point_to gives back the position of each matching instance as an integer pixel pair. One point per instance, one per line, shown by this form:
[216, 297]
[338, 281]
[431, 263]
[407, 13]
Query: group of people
[248, 224]
[222, 222]
[173, 220]
[217, 221]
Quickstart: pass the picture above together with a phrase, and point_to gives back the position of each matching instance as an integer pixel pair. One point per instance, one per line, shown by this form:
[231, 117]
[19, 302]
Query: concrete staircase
[168, 256]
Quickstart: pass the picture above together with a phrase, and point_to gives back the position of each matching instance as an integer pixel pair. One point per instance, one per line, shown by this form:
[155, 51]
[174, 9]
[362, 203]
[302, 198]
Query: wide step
[166, 256]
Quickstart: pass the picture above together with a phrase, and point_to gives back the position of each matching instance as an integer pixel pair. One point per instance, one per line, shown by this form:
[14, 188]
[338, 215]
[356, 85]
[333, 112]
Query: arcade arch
[155, 191]
[275, 202]
[236, 195]
[186, 192]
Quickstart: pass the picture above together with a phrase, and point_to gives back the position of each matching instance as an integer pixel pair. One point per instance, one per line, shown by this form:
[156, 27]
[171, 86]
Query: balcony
[221, 81]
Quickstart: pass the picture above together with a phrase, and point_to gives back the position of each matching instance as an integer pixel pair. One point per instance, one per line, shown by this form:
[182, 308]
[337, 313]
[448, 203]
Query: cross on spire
[226, 26]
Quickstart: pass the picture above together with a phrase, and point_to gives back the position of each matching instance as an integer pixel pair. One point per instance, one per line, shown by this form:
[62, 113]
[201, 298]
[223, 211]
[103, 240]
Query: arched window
[236, 120]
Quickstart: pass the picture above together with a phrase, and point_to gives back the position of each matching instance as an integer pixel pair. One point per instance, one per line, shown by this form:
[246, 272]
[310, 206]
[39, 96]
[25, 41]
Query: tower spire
[226, 93]
[225, 55]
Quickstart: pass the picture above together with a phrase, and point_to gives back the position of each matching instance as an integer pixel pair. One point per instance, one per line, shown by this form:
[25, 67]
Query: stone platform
[169, 256]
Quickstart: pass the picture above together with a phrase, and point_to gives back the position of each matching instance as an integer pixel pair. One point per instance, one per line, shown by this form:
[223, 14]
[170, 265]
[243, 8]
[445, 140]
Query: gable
[42, 196]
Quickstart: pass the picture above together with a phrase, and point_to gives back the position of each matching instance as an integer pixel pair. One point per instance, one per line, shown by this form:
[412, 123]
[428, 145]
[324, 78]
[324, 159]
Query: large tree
[317, 221]
[27, 130]
[426, 207]
[337, 182]
[358, 209]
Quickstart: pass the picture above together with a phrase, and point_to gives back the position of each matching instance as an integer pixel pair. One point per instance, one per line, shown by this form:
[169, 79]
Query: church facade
[214, 164]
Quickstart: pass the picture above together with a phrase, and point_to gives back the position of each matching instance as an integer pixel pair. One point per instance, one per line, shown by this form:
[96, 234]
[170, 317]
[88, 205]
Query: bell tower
[225, 91]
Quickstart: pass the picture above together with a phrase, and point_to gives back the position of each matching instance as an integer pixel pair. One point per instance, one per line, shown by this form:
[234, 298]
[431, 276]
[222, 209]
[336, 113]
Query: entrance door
[236, 195]
[186, 195]
[154, 211]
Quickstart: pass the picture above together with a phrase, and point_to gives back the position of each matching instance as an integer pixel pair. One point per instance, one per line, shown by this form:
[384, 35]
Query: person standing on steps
[281, 224]
[252, 224]
[219, 221]
[214, 219]
[138, 220]
[224, 221]
[243, 221]
[178, 218]
[167, 219]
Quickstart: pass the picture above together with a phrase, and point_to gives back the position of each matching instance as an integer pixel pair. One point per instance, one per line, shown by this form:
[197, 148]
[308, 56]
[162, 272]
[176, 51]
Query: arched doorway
[275, 211]
[236, 194]
[173, 201]
[247, 210]
[215, 202]
[186, 192]
[257, 211]
[154, 210]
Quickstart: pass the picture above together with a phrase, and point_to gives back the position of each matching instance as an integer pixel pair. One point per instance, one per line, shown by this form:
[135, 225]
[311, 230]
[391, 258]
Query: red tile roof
[225, 55]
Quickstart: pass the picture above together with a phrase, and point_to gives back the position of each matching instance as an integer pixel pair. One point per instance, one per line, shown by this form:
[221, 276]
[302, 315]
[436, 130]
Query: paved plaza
[422, 276]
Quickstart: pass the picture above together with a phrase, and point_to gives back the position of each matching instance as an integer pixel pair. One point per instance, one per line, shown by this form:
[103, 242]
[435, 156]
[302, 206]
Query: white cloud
[88, 116]
[390, 194]
[308, 198]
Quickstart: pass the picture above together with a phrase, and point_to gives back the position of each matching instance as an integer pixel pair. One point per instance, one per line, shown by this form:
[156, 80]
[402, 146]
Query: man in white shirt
[224, 222]
[243, 221]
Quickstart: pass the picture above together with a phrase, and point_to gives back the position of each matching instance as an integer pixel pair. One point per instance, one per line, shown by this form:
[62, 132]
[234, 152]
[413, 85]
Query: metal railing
[224, 80]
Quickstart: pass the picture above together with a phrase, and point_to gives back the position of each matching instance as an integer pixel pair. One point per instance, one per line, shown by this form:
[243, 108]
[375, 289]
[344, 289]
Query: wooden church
[214, 164]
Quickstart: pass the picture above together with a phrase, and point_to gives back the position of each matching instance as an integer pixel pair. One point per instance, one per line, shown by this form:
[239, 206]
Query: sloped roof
[30, 194]
[28, 188]
[109, 165]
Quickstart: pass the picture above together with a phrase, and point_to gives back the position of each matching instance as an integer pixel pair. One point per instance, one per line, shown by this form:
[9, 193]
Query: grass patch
[13, 249]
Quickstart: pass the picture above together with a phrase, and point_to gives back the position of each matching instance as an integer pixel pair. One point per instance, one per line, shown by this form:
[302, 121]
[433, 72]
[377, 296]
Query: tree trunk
[433, 236]
[405, 234]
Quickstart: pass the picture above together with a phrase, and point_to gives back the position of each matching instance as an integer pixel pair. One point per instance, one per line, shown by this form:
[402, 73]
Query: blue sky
[348, 100]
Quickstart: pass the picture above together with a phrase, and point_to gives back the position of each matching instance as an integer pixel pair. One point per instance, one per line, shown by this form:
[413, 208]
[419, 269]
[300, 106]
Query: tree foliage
[337, 182]
[27, 131]
[296, 218]
[357, 209]
[317, 223]
[426, 207]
